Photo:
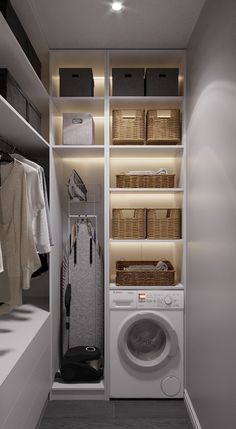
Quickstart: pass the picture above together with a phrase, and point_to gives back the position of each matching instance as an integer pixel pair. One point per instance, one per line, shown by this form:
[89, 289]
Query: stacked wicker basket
[127, 276]
[137, 127]
[163, 127]
[145, 180]
[141, 223]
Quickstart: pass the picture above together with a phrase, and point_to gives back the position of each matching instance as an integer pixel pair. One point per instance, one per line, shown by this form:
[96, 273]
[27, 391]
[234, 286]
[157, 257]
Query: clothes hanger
[5, 157]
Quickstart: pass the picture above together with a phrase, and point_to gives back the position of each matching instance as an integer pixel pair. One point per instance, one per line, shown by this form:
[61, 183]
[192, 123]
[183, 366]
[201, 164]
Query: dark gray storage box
[76, 82]
[33, 117]
[127, 82]
[11, 91]
[20, 34]
[162, 82]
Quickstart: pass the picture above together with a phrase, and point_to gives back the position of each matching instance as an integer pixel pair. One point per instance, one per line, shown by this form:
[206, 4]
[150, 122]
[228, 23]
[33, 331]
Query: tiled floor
[116, 414]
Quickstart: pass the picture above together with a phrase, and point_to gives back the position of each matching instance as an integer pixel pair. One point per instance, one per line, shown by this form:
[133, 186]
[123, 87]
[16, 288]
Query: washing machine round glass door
[147, 340]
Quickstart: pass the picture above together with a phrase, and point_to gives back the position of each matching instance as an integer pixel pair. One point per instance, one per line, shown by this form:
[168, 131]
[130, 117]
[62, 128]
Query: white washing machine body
[146, 343]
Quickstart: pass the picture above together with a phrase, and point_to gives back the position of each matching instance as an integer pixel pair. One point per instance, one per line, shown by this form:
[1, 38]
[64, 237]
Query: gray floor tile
[150, 408]
[82, 409]
[76, 423]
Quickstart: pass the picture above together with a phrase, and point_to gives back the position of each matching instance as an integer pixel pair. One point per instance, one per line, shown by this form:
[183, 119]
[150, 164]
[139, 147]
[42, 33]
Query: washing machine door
[147, 340]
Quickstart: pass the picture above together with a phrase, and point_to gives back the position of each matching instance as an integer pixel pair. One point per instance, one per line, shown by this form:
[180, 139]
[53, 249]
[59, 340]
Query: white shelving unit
[25, 333]
[18, 131]
[102, 162]
[13, 57]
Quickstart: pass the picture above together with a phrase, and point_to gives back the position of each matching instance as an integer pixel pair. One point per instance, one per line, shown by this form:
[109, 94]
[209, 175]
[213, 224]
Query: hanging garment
[20, 257]
[86, 277]
[41, 222]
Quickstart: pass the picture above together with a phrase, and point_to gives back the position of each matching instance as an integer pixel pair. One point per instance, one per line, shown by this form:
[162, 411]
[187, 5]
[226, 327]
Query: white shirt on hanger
[40, 221]
[19, 253]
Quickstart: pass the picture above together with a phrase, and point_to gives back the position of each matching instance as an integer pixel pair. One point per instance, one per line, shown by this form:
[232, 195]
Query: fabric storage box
[129, 223]
[76, 82]
[20, 34]
[162, 82]
[145, 180]
[164, 224]
[11, 91]
[128, 82]
[128, 127]
[144, 275]
[163, 127]
[78, 129]
[33, 117]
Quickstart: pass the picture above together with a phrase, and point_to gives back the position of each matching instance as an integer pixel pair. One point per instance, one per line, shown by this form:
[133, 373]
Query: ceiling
[91, 24]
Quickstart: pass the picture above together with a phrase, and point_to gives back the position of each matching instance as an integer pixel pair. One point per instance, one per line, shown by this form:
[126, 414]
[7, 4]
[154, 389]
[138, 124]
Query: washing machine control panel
[160, 299]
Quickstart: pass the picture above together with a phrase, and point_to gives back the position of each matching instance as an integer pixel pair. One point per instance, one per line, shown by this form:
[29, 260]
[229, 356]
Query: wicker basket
[145, 181]
[144, 278]
[163, 127]
[129, 223]
[128, 127]
[164, 224]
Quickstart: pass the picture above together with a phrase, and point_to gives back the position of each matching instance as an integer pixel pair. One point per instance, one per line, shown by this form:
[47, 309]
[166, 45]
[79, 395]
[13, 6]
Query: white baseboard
[191, 411]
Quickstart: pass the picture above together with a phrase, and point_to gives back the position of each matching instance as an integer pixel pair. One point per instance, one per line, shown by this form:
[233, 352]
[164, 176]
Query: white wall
[211, 214]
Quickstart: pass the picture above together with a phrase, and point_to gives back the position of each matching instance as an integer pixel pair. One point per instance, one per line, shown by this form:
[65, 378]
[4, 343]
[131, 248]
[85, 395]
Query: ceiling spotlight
[117, 6]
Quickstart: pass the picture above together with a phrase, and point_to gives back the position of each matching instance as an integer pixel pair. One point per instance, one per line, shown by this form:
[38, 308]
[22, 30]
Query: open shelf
[93, 105]
[13, 57]
[62, 390]
[145, 102]
[146, 190]
[95, 151]
[18, 131]
[113, 286]
[136, 151]
[146, 241]
[18, 330]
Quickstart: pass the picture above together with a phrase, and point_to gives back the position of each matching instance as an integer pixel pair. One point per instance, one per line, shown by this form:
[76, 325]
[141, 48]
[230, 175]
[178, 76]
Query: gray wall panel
[211, 214]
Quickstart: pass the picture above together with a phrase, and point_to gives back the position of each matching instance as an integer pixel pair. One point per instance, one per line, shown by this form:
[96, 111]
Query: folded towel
[147, 172]
[160, 266]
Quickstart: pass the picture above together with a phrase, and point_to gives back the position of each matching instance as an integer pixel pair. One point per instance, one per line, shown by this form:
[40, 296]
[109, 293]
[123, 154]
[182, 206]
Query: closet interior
[98, 165]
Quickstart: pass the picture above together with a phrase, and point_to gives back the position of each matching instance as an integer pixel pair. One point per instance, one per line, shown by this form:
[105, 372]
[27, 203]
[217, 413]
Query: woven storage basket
[145, 181]
[129, 223]
[128, 127]
[163, 127]
[164, 223]
[144, 278]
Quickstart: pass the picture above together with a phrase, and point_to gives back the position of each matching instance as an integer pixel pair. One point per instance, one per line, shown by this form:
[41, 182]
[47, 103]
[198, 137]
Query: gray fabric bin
[10, 90]
[127, 81]
[78, 129]
[162, 82]
[76, 82]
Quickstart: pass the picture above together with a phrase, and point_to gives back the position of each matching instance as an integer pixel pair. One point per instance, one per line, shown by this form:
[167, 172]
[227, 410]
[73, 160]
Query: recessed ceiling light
[117, 6]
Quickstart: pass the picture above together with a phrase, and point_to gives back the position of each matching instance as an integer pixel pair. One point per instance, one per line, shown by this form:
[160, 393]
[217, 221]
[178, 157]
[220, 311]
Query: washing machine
[146, 343]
